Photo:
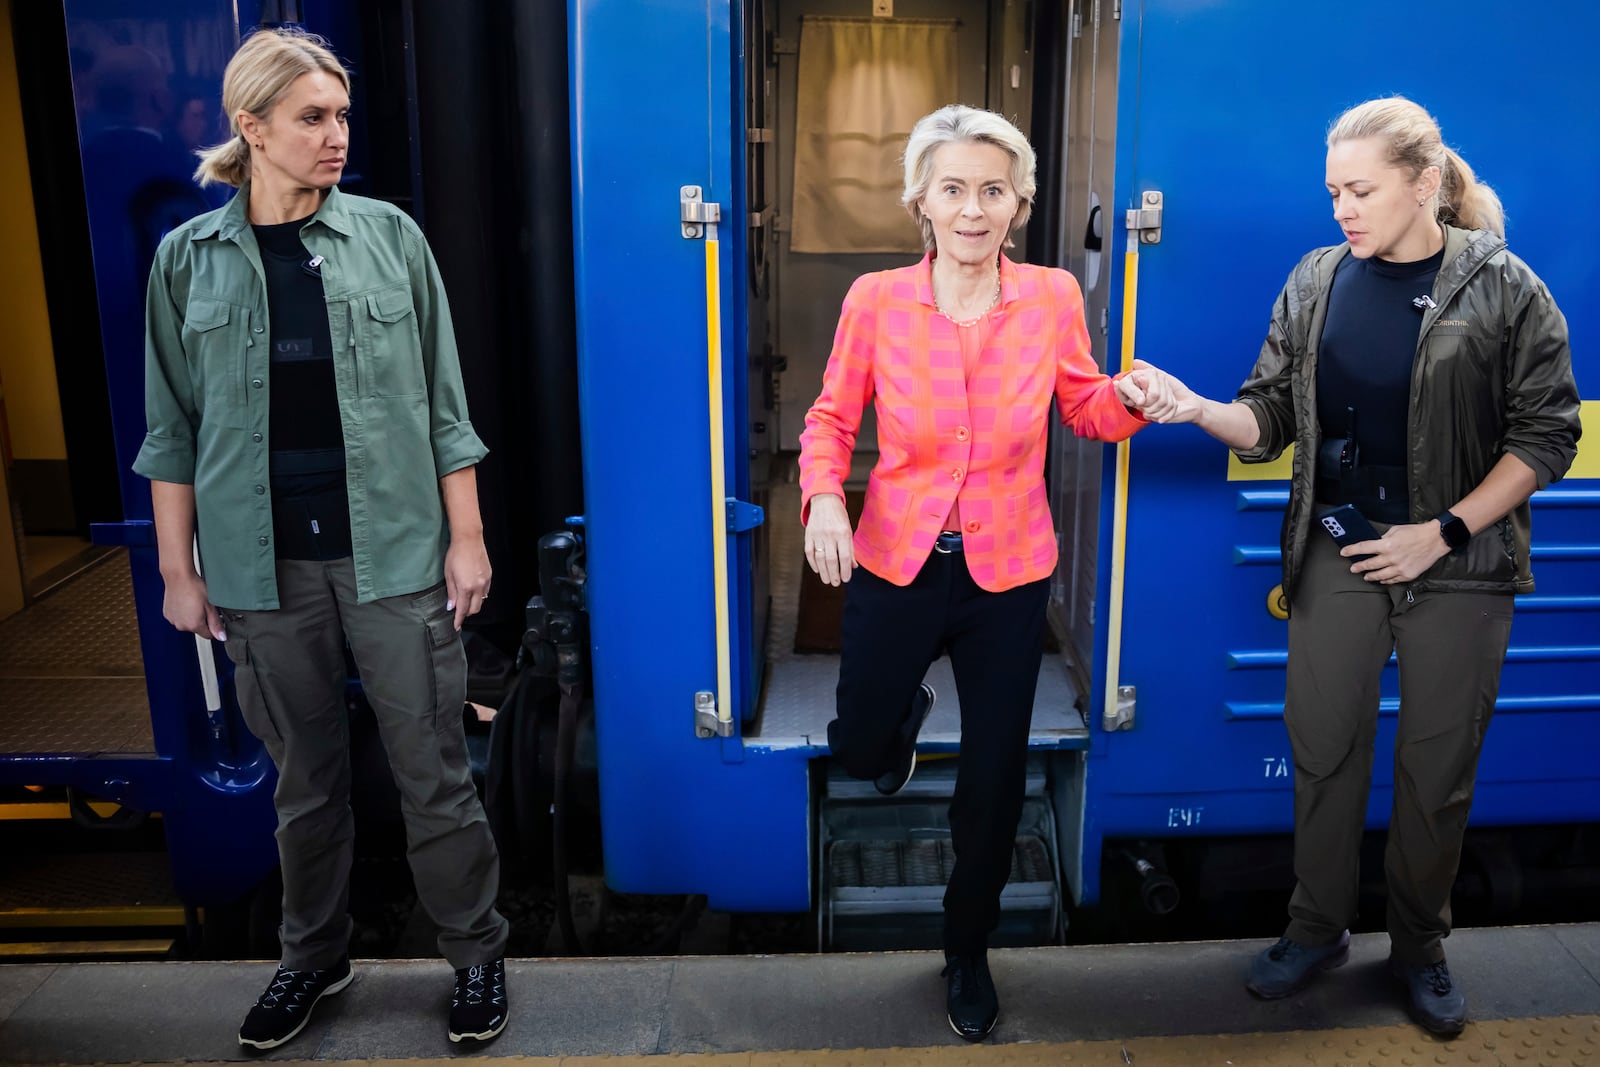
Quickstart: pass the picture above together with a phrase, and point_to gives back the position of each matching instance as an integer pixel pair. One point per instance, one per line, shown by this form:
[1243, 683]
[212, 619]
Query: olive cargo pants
[290, 672]
[1450, 647]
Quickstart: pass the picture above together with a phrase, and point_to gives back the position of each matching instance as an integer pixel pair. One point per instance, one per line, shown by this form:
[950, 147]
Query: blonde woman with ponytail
[1421, 373]
[308, 443]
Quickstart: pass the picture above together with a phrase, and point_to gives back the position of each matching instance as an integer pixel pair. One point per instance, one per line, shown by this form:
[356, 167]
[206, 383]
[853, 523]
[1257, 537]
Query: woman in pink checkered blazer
[961, 356]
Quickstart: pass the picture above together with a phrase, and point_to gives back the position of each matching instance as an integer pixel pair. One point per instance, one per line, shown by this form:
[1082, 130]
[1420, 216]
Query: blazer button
[962, 433]
[955, 475]
[972, 526]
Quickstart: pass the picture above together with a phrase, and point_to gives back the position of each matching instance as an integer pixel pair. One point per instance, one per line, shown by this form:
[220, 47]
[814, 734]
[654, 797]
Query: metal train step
[108, 905]
[885, 862]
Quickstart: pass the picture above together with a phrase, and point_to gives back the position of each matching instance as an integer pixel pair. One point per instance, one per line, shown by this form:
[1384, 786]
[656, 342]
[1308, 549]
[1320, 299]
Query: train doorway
[808, 120]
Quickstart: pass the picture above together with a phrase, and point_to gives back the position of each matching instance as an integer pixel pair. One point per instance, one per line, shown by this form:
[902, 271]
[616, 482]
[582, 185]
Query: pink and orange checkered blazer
[940, 435]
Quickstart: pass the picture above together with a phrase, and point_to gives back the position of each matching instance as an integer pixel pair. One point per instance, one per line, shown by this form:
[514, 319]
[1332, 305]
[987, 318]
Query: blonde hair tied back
[258, 75]
[1415, 143]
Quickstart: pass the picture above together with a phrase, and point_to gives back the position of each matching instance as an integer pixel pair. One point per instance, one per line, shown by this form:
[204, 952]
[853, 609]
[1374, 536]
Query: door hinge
[1122, 717]
[742, 516]
[1145, 220]
[759, 135]
[706, 723]
[1116, 10]
[695, 214]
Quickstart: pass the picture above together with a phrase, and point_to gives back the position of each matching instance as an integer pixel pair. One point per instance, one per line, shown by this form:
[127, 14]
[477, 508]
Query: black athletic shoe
[893, 780]
[971, 1004]
[1289, 966]
[478, 1009]
[1436, 1004]
[285, 1008]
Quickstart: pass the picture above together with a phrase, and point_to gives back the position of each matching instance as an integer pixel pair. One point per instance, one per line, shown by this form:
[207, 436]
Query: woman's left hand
[466, 576]
[1403, 554]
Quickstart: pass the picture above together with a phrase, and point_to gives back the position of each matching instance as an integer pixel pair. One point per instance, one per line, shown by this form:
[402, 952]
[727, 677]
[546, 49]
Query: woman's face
[304, 139]
[970, 201]
[1381, 210]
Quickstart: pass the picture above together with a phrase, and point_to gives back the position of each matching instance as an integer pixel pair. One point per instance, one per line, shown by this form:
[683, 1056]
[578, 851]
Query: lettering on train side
[1274, 767]
[1178, 818]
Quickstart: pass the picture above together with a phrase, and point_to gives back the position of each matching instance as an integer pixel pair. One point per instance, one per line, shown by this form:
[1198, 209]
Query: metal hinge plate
[1145, 220]
[1122, 717]
[742, 516]
[706, 723]
[695, 213]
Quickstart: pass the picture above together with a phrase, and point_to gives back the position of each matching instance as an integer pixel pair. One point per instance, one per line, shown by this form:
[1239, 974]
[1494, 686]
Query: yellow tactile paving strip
[1567, 1041]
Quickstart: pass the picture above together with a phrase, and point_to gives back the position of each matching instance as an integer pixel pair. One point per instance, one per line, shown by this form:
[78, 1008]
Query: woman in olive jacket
[1422, 374]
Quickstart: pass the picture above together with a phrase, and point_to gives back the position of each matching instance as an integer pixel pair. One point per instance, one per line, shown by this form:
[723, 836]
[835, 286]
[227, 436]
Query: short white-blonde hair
[959, 124]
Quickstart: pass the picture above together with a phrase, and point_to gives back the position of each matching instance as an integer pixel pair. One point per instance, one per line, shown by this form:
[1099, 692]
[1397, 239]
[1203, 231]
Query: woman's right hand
[186, 607]
[830, 547]
[1159, 396]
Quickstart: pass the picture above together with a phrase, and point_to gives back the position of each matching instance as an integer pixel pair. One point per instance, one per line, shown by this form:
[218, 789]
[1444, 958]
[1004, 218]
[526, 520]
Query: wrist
[1453, 532]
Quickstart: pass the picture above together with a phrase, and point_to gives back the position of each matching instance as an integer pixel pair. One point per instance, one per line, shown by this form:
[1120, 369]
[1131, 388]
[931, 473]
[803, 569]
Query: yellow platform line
[1563, 1040]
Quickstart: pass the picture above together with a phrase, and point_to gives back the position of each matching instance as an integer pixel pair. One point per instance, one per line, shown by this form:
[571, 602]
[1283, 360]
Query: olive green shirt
[401, 401]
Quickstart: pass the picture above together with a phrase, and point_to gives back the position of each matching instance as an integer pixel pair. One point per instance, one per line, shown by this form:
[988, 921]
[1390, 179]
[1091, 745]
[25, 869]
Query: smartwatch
[1454, 531]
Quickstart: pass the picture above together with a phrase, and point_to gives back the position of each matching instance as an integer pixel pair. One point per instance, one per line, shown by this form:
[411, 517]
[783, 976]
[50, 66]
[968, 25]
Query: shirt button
[260, 489]
[962, 433]
[262, 541]
[261, 329]
[955, 475]
[256, 383]
[256, 438]
[972, 526]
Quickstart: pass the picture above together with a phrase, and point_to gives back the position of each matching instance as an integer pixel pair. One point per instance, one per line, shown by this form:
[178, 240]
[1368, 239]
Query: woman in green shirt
[308, 442]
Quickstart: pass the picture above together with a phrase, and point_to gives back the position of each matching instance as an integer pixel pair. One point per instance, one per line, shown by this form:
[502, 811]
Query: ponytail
[1414, 144]
[1466, 202]
[227, 163]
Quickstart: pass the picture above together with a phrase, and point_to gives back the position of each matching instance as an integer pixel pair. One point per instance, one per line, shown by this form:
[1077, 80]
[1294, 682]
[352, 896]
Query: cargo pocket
[252, 699]
[447, 667]
[391, 362]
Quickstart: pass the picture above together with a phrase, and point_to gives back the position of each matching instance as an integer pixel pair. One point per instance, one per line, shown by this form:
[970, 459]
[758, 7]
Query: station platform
[1533, 995]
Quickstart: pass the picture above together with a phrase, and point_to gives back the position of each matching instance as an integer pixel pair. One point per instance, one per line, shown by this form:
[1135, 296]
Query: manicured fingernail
[449, 605]
[222, 635]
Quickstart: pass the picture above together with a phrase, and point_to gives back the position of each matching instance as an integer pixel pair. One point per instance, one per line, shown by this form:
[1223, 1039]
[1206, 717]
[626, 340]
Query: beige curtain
[863, 84]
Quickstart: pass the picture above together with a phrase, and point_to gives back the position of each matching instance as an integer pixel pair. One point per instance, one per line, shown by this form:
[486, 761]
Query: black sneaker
[285, 1008]
[971, 1003]
[478, 1008]
[893, 780]
[1436, 1004]
[1289, 966]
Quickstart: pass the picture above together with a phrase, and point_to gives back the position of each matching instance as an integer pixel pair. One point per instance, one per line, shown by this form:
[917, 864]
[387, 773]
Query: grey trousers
[1450, 648]
[290, 673]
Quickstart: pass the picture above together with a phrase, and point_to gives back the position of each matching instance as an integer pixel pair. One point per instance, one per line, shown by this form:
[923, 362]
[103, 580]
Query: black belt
[949, 541]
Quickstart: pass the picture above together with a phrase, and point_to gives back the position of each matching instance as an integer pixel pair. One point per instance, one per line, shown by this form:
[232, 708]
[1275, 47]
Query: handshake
[1157, 395]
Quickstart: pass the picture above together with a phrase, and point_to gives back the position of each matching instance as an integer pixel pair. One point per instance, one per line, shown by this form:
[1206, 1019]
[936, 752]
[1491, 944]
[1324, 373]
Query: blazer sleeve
[1086, 396]
[835, 419]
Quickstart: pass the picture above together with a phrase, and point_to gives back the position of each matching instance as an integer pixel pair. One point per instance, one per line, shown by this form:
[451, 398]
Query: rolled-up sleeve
[1542, 405]
[455, 443]
[168, 452]
[1268, 392]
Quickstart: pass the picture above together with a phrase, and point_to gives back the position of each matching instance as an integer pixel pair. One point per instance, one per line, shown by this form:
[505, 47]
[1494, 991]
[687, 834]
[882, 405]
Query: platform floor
[1533, 994]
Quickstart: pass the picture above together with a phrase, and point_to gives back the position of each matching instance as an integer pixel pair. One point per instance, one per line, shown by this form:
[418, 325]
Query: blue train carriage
[1181, 157]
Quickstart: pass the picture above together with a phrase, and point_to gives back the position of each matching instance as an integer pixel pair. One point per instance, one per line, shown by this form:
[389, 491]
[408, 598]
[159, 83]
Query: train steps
[885, 862]
[62, 903]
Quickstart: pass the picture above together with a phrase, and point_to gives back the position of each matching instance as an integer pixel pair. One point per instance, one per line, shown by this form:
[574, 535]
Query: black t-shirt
[1364, 361]
[310, 505]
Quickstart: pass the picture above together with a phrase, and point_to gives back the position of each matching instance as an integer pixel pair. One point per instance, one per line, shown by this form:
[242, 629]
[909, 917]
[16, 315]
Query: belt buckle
[938, 546]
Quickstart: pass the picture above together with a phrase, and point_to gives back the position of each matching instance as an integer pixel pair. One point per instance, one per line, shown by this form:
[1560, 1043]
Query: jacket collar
[234, 216]
[1464, 252]
[1009, 290]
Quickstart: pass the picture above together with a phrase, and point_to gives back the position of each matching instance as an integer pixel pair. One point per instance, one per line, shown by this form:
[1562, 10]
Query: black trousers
[890, 635]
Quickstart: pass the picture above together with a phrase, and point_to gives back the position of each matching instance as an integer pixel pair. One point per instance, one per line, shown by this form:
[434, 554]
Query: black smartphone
[1347, 526]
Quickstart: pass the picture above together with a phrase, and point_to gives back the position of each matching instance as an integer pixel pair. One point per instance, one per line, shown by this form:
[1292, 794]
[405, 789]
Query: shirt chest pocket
[216, 341]
[389, 357]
